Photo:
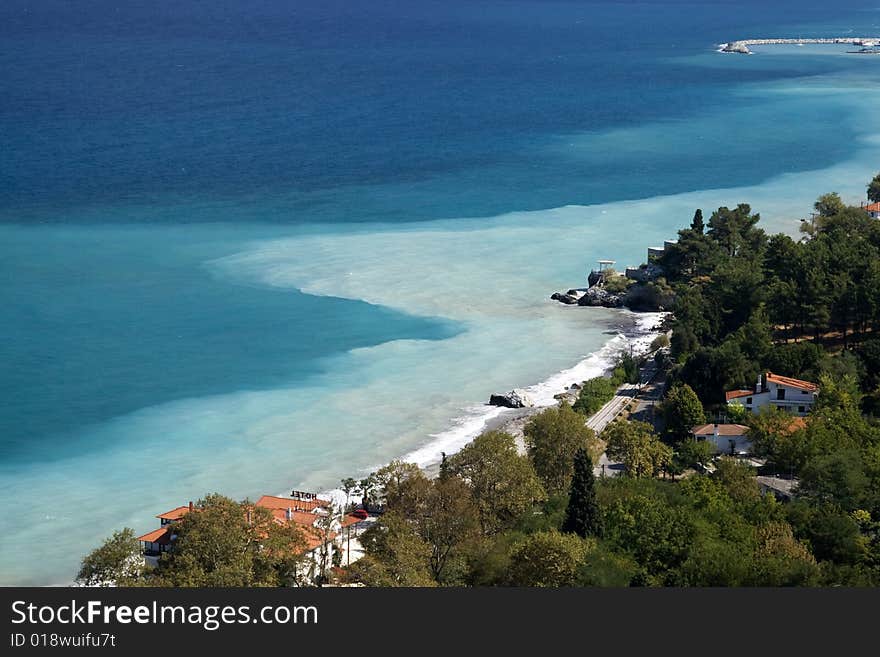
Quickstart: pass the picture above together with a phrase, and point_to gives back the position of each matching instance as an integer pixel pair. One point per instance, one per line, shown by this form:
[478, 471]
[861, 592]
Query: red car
[360, 513]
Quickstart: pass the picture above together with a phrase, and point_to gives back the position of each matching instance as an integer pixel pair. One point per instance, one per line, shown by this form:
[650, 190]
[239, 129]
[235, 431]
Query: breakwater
[742, 46]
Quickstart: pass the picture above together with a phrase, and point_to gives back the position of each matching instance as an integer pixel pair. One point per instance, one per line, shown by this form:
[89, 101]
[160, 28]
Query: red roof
[161, 536]
[299, 517]
[791, 383]
[315, 539]
[873, 207]
[723, 430]
[735, 394]
[272, 502]
[174, 514]
[348, 520]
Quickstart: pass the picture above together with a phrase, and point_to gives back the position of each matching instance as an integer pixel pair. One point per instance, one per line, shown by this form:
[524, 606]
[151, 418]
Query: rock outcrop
[516, 398]
[597, 296]
[567, 299]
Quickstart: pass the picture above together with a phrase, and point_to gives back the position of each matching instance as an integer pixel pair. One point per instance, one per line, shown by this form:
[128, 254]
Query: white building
[874, 210]
[726, 438]
[792, 395]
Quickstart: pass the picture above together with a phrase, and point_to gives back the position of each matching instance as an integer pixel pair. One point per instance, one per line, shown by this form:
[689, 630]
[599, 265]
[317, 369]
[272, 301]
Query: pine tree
[582, 517]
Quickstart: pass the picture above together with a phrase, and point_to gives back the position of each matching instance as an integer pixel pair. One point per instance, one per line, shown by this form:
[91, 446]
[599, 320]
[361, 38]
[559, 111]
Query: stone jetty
[742, 46]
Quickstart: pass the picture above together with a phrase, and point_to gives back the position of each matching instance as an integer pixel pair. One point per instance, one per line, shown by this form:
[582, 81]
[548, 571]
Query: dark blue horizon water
[140, 142]
[318, 107]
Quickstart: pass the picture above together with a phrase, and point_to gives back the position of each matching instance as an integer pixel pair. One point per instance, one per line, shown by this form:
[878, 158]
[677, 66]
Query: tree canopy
[552, 438]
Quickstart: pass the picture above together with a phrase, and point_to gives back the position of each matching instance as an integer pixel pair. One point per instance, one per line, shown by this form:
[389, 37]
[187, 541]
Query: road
[645, 394]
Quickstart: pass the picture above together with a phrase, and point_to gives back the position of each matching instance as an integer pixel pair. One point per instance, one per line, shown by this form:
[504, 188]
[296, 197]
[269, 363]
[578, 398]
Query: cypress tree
[582, 517]
[697, 224]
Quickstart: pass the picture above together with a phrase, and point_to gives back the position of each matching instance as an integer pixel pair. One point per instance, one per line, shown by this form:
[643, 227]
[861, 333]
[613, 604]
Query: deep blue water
[318, 105]
[139, 142]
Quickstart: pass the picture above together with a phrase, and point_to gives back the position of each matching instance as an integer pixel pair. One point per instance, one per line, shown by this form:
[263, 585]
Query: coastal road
[645, 394]
[624, 395]
[605, 415]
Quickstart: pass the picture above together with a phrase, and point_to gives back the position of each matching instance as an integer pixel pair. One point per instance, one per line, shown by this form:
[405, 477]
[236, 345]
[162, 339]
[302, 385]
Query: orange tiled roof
[273, 502]
[161, 535]
[723, 430]
[873, 207]
[735, 394]
[791, 383]
[348, 520]
[299, 517]
[174, 514]
[314, 539]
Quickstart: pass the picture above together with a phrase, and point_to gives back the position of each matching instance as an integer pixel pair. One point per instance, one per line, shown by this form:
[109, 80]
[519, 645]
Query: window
[802, 409]
[780, 393]
[749, 401]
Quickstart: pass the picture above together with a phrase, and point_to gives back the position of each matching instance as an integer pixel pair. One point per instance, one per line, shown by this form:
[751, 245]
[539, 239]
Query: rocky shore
[617, 291]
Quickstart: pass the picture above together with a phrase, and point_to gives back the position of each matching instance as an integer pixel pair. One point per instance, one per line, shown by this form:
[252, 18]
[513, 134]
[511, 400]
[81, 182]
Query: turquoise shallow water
[252, 259]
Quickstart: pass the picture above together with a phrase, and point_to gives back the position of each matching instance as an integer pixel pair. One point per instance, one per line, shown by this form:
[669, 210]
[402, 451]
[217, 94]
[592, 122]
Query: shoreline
[638, 331]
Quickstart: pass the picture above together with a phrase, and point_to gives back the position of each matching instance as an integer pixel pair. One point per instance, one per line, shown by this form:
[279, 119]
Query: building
[322, 531]
[874, 210]
[655, 253]
[726, 438]
[792, 395]
[782, 489]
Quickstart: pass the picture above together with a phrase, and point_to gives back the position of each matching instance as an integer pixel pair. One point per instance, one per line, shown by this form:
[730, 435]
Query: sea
[255, 246]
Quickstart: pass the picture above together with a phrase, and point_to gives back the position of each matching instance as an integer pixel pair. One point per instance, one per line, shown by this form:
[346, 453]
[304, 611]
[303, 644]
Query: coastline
[635, 330]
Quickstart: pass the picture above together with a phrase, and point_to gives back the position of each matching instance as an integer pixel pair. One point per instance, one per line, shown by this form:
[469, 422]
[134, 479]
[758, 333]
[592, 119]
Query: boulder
[567, 299]
[597, 296]
[514, 399]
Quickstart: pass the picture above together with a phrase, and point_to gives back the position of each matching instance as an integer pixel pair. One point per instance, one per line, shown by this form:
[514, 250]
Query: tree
[692, 452]
[829, 205]
[402, 487]
[503, 482]
[636, 445]
[395, 554]
[222, 544]
[874, 189]
[735, 230]
[117, 562]
[781, 560]
[838, 478]
[552, 439]
[450, 522]
[799, 360]
[547, 559]
[583, 517]
[348, 486]
[630, 366]
[369, 488]
[642, 523]
[594, 394]
[697, 224]
[682, 411]
[738, 479]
